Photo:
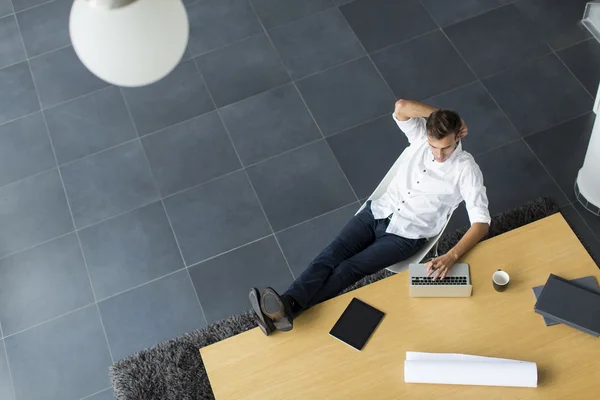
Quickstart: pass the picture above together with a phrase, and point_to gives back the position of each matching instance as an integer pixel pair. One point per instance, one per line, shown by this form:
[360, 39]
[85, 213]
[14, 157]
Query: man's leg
[387, 249]
[357, 235]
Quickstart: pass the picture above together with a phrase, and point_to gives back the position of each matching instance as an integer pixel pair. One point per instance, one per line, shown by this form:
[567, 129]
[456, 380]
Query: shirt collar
[446, 165]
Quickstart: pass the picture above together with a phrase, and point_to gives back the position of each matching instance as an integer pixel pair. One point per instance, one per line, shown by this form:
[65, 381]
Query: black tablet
[357, 323]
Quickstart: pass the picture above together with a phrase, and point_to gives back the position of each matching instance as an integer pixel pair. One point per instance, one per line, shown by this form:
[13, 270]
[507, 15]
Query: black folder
[357, 323]
[570, 304]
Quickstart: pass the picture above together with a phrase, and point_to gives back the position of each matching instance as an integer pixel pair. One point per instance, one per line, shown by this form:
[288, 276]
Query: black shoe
[264, 323]
[277, 310]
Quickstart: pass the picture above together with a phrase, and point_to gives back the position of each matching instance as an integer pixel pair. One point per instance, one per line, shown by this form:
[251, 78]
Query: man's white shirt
[425, 192]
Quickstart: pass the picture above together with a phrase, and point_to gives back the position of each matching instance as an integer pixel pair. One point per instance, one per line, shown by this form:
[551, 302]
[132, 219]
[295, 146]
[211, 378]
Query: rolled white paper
[462, 369]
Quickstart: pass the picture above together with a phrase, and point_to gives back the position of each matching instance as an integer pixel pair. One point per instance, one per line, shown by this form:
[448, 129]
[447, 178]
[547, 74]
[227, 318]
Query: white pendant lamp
[129, 42]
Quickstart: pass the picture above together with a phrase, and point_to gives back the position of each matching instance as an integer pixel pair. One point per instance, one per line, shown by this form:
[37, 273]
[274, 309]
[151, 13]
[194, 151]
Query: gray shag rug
[173, 370]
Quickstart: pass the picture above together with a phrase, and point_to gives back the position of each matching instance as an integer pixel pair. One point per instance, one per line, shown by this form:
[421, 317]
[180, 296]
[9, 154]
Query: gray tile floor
[129, 216]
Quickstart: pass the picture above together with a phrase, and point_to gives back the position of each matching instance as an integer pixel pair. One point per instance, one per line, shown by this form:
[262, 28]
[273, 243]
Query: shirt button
[408, 192]
[424, 170]
[402, 202]
[417, 181]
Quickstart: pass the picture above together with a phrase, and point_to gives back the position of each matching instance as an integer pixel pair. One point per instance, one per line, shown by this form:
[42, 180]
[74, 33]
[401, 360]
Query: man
[434, 177]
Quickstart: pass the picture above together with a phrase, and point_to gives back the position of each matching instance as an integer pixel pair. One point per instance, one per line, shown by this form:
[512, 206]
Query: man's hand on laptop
[440, 266]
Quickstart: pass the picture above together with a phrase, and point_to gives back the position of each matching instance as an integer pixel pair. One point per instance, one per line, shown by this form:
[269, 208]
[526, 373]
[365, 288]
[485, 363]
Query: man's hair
[442, 123]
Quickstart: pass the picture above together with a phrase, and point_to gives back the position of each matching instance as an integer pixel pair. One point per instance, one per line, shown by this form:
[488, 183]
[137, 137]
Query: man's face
[442, 148]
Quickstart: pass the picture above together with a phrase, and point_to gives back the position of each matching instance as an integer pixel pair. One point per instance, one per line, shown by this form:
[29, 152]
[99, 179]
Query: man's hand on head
[464, 130]
[439, 266]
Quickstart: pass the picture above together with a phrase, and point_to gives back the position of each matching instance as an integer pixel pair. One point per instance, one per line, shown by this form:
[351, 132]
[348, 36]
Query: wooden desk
[309, 364]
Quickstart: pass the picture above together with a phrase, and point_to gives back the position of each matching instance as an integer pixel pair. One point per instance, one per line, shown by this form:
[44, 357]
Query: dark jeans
[361, 248]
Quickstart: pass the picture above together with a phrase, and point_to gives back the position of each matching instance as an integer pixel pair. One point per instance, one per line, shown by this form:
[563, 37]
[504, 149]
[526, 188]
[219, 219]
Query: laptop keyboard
[449, 280]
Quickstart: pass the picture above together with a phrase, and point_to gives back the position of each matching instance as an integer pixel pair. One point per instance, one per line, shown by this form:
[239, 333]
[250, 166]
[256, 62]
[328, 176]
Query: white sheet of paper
[464, 369]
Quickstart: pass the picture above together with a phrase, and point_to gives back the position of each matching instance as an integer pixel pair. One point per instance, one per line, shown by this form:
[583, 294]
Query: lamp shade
[131, 45]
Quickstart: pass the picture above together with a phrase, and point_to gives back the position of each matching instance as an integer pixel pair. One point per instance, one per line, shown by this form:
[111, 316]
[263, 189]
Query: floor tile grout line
[405, 41]
[546, 170]
[236, 151]
[573, 74]
[164, 208]
[98, 392]
[318, 216]
[584, 221]
[38, 324]
[558, 123]
[31, 7]
[68, 205]
[482, 84]
[30, 58]
[507, 118]
[479, 14]
[309, 112]
[573, 44]
[10, 378]
[41, 110]
[36, 245]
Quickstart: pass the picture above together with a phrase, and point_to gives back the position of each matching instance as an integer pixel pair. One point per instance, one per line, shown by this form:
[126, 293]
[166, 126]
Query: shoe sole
[273, 308]
[264, 323]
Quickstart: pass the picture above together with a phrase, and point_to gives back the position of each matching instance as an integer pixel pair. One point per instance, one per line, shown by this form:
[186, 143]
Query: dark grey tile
[216, 217]
[583, 60]
[108, 183]
[25, 148]
[273, 13]
[539, 94]
[67, 358]
[23, 4]
[60, 76]
[449, 12]
[340, 2]
[18, 92]
[423, 67]
[222, 283]
[269, 124]
[488, 126]
[302, 243]
[43, 283]
[549, 146]
[190, 153]
[104, 395]
[216, 23]
[178, 97]
[558, 21]
[150, 314]
[6, 389]
[592, 221]
[241, 70]
[380, 23]
[299, 185]
[45, 28]
[89, 124]
[573, 214]
[32, 211]
[513, 176]
[496, 40]
[368, 151]
[130, 250]
[5, 7]
[11, 47]
[346, 96]
[316, 43]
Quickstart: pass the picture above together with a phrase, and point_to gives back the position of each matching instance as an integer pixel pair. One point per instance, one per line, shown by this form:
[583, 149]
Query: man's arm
[440, 266]
[406, 109]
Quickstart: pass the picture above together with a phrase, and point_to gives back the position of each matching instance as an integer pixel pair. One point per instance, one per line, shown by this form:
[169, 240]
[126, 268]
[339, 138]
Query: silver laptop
[457, 282]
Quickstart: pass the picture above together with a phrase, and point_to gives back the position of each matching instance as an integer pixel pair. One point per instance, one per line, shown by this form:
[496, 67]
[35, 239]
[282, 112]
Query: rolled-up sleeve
[474, 193]
[414, 129]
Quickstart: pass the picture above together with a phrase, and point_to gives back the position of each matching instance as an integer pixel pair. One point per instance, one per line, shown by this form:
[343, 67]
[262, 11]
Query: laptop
[457, 282]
